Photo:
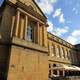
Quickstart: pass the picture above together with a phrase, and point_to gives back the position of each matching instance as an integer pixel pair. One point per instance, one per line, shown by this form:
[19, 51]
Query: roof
[60, 40]
[77, 46]
[39, 8]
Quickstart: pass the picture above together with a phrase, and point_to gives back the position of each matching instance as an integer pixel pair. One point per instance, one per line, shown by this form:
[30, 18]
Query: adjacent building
[63, 57]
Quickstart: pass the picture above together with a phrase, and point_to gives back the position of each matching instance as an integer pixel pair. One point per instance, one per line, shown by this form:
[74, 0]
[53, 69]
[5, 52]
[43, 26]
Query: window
[53, 50]
[49, 72]
[55, 72]
[61, 73]
[29, 32]
[54, 65]
[32, 33]
[49, 65]
[58, 51]
[63, 52]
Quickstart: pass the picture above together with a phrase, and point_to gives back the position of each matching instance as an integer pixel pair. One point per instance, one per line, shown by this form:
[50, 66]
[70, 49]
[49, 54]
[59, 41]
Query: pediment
[34, 5]
[31, 4]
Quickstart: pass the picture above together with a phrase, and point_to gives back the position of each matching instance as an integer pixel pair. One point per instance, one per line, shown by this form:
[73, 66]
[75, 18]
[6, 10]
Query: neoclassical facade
[23, 38]
[63, 57]
[27, 50]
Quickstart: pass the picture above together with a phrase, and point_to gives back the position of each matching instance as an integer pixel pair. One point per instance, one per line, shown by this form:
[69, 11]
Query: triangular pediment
[32, 4]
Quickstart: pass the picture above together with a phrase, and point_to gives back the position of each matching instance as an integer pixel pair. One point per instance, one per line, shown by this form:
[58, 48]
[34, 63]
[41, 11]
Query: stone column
[26, 25]
[61, 52]
[56, 50]
[38, 33]
[22, 28]
[63, 73]
[17, 23]
[44, 36]
[66, 54]
[58, 72]
[12, 26]
[41, 36]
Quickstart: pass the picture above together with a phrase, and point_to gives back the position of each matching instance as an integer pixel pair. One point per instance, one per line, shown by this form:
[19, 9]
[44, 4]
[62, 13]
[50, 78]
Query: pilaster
[17, 23]
[12, 26]
[22, 28]
[38, 32]
[26, 25]
[44, 35]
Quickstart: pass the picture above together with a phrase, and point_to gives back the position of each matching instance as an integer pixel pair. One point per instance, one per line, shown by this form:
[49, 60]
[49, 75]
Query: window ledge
[26, 44]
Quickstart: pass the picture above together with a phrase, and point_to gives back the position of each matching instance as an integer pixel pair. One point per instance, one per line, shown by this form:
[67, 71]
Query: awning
[67, 67]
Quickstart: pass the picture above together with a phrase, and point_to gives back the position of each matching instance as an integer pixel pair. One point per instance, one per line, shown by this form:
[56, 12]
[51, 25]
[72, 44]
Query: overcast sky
[63, 18]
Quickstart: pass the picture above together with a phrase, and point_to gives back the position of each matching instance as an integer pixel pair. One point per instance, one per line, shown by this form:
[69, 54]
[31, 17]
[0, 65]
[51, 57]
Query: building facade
[27, 50]
[62, 56]
[23, 38]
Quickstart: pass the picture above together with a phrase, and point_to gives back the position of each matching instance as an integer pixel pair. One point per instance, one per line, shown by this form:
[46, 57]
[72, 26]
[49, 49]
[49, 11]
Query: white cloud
[72, 40]
[75, 10]
[74, 37]
[61, 31]
[52, 1]
[47, 5]
[50, 28]
[57, 13]
[57, 31]
[46, 8]
[76, 33]
[61, 18]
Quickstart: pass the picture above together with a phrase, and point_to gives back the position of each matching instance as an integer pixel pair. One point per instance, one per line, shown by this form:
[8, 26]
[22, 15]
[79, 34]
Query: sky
[63, 18]
[1, 1]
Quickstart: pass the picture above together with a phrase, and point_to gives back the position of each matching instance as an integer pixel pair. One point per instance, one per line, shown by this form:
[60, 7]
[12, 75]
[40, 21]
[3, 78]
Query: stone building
[27, 50]
[63, 57]
[23, 38]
